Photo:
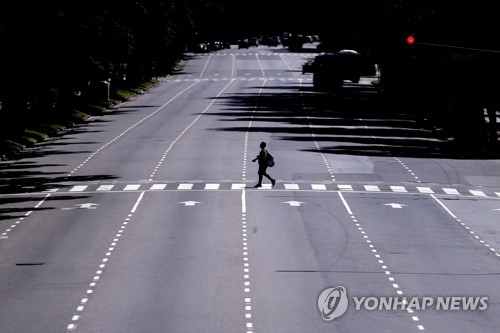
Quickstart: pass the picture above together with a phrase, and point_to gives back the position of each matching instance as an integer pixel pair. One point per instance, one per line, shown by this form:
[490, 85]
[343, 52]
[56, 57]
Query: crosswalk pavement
[284, 186]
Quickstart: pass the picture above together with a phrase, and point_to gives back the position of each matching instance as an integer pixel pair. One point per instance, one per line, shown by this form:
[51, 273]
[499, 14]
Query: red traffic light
[410, 40]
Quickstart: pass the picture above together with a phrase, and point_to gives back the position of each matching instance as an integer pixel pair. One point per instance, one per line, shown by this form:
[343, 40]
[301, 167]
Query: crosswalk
[284, 186]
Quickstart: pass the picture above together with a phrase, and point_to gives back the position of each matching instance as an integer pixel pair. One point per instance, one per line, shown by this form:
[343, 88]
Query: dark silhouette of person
[263, 165]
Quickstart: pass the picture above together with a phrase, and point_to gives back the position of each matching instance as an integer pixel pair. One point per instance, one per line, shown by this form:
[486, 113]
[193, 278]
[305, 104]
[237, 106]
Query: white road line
[153, 174]
[398, 189]
[158, 186]
[137, 202]
[212, 186]
[377, 255]
[497, 193]
[477, 193]
[185, 186]
[243, 202]
[346, 205]
[345, 187]
[105, 187]
[320, 187]
[78, 188]
[238, 186]
[291, 186]
[132, 187]
[450, 191]
[424, 189]
[372, 188]
[71, 327]
[444, 207]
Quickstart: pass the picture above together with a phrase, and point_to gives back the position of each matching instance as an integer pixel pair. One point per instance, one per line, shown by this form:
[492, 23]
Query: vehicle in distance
[330, 69]
[253, 41]
[243, 43]
[272, 41]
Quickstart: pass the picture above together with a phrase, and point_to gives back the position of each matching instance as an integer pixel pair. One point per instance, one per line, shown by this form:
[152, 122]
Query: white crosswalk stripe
[398, 189]
[424, 189]
[212, 186]
[320, 187]
[132, 187]
[372, 188]
[345, 187]
[450, 191]
[158, 186]
[78, 188]
[185, 186]
[477, 193]
[291, 186]
[105, 187]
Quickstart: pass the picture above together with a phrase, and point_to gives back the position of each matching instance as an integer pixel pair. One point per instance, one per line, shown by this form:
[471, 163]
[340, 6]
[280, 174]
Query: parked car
[330, 69]
[243, 43]
[253, 41]
[274, 41]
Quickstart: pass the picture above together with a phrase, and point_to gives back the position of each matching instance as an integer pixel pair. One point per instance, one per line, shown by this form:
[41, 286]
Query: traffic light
[410, 40]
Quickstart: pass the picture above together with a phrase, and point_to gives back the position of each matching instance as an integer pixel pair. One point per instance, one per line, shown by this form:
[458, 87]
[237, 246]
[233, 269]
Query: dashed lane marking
[389, 275]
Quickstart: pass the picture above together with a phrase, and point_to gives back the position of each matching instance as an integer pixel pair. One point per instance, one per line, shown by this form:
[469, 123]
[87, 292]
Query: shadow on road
[354, 121]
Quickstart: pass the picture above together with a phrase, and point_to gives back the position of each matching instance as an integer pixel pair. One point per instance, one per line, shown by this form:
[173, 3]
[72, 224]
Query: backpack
[270, 160]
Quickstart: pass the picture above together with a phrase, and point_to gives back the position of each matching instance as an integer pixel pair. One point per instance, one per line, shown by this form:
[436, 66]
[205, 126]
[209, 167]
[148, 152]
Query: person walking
[262, 158]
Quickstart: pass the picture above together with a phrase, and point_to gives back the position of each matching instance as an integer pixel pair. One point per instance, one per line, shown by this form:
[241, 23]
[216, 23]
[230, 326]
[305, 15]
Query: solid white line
[206, 64]
[444, 207]
[346, 205]
[243, 202]
[137, 202]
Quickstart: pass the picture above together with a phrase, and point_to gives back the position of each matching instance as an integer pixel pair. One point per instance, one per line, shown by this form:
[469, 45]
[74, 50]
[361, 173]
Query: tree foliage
[56, 54]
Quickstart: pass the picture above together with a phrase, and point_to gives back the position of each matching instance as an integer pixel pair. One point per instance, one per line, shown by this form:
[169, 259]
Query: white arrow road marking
[293, 203]
[395, 205]
[87, 205]
[189, 203]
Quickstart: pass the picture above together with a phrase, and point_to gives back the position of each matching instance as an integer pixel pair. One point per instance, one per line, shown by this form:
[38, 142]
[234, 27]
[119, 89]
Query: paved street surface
[146, 219]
